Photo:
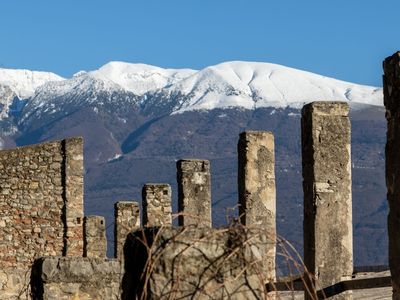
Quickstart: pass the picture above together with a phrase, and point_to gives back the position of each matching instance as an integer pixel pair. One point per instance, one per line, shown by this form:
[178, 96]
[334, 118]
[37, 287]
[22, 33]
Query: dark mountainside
[126, 148]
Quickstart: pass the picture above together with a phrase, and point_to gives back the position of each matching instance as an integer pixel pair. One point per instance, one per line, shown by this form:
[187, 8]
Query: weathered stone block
[194, 192]
[256, 184]
[127, 219]
[197, 263]
[156, 202]
[58, 278]
[95, 241]
[328, 240]
[256, 179]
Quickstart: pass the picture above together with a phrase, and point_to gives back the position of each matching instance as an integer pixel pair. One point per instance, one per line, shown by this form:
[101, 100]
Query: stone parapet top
[124, 203]
[326, 108]
[256, 133]
[94, 217]
[193, 165]
[156, 184]
[40, 145]
[192, 160]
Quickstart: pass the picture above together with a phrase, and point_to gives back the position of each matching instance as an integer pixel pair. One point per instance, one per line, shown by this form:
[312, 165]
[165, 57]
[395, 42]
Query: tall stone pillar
[127, 219]
[95, 241]
[73, 196]
[156, 203]
[328, 240]
[391, 91]
[194, 192]
[257, 192]
[256, 179]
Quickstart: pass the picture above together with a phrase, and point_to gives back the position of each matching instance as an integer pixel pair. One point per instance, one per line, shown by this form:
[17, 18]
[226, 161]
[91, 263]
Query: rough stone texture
[95, 242]
[77, 278]
[127, 219]
[197, 263]
[391, 90]
[14, 283]
[328, 241]
[34, 203]
[73, 194]
[256, 184]
[194, 192]
[156, 202]
[256, 179]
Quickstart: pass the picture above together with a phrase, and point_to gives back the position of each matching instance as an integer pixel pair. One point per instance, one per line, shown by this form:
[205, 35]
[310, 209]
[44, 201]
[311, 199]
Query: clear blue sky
[345, 39]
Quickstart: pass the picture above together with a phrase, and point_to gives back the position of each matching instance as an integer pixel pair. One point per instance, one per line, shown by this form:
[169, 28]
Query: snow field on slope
[140, 78]
[250, 85]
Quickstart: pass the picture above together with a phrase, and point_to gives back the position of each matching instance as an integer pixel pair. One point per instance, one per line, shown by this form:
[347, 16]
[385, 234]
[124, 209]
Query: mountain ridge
[229, 84]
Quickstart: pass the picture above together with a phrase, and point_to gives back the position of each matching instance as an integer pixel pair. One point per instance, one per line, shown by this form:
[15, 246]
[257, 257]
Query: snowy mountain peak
[80, 73]
[252, 84]
[140, 78]
[24, 82]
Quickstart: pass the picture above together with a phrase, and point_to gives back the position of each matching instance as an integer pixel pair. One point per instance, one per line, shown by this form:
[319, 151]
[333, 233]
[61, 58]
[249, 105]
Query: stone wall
[77, 278]
[197, 263]
[40, 216]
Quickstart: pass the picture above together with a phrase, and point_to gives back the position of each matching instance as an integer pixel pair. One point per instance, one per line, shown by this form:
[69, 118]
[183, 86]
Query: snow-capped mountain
[24, 82]
[247, 85]
[252, 85]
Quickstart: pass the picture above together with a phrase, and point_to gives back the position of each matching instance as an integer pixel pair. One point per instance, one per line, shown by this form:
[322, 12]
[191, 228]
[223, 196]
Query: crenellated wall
[41, 199]
[41, 192]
